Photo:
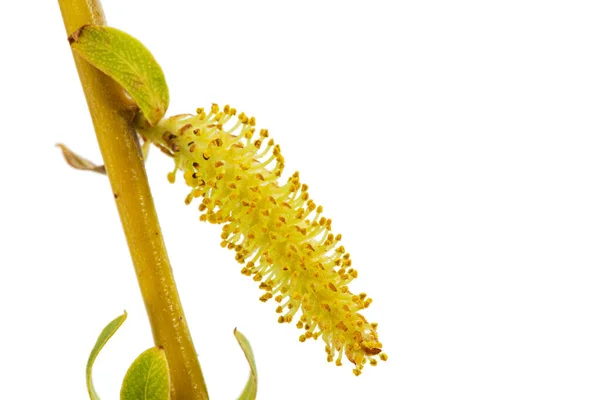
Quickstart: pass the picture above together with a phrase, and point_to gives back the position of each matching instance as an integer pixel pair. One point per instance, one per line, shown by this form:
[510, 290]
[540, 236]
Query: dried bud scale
[277, 232]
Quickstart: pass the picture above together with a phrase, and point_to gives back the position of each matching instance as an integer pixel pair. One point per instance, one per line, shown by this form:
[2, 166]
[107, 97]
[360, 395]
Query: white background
[453, 143]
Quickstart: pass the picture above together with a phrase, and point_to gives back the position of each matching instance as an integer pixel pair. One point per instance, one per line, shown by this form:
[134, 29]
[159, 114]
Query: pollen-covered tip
[277, 232]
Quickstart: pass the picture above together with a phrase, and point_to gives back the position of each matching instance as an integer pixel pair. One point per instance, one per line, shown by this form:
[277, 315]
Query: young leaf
[148, 377]
[249, 392]
[106, 334]
[127, 61]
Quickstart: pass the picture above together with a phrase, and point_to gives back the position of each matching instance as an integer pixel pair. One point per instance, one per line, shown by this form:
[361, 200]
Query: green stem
[112, 113]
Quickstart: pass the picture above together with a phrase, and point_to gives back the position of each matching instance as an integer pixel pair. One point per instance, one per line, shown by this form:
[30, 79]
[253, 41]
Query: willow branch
[112, 113]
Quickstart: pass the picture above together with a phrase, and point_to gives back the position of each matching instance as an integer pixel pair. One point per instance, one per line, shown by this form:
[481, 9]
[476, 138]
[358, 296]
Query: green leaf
[127, 61]
[106, 334]
[148, 377]
[249, 392]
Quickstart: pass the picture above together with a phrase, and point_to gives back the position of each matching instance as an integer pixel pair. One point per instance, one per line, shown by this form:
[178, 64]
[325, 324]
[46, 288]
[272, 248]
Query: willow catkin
[276, 231]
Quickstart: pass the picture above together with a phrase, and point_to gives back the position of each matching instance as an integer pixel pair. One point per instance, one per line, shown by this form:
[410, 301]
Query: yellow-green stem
[112, 113]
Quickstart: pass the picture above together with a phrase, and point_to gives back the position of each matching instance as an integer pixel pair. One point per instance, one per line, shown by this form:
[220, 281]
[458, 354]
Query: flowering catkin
[277, 232]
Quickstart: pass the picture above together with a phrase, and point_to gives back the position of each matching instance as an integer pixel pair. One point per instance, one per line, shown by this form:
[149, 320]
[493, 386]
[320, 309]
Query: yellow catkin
[278, 233]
